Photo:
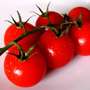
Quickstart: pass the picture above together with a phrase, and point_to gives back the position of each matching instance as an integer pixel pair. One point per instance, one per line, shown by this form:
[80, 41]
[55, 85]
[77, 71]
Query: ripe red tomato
[25, 73]
[75, 13]
[81, 37]
[14, 32]
[58, 50]
[51, 17]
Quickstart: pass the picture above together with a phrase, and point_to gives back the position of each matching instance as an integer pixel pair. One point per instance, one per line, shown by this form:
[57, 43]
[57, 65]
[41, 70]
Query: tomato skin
[54, 18]
[14, 32]
[58, 50]
[75, 13]
[25, 73]
[81, 37]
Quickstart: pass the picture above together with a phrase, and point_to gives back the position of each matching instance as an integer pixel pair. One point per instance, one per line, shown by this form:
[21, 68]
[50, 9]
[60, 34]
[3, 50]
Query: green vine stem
[22, 55]
[37, 29]
[21, 52]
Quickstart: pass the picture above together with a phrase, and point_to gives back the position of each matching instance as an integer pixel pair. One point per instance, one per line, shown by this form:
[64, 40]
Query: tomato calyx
[49, 25]
[44, 14]
[20, 23]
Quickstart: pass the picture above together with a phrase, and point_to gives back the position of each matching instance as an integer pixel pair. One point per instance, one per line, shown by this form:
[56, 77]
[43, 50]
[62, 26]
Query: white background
[75, 75]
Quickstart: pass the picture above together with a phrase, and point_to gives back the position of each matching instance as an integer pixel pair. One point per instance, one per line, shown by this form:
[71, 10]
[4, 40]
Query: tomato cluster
[50, 44]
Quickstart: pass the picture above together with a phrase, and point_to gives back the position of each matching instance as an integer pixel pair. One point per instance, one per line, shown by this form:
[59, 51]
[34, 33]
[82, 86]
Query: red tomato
[25, 73]
[14, 32]
[75, 13]
[58, 50]
[53, 17]
[81, 37]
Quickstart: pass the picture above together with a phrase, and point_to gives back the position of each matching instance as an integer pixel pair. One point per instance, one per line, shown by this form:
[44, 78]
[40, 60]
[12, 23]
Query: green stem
[22, 55]
[29, 51]
[21, 52]
[38, 29]
[67, 23]
[53, 29]
[2, 50]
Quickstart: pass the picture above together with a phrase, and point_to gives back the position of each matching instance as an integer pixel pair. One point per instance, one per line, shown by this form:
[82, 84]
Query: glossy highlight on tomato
[58, 50]
[81, 38]
[25, 73]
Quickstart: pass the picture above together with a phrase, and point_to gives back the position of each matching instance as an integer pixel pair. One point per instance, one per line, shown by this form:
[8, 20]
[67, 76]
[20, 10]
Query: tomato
[51, 17]
[58, 50]
[81, 37]
[77, 11]
[25, 73]
[14, 32]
